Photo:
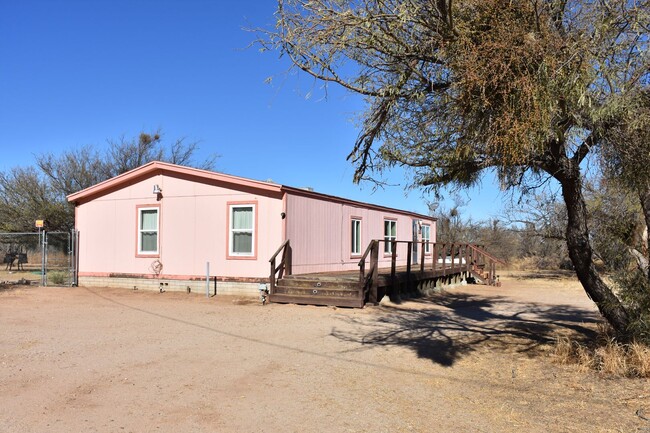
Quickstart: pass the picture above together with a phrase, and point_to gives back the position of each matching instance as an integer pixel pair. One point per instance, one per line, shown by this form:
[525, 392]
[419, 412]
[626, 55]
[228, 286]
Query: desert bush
[633, 289]
[57, 277]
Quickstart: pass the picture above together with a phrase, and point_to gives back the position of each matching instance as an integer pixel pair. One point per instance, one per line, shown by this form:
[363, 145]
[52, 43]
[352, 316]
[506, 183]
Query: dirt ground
[474, 359]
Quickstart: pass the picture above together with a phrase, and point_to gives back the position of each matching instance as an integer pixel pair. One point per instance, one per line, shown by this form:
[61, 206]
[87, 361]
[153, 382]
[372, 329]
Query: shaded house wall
[319, 228]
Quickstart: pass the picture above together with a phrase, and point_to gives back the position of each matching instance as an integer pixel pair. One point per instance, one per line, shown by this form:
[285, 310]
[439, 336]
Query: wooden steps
[482, 276]
[318, 290]
[447, 264]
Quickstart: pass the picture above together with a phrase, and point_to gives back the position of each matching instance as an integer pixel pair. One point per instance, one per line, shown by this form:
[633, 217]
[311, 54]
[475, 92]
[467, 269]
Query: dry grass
[605, 356]
[533, 264]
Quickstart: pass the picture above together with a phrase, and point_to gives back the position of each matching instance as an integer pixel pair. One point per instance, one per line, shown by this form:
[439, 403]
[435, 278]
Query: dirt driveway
[473, 360]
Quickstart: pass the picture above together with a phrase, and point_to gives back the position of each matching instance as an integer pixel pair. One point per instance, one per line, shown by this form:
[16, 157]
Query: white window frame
[426, 239]
[388, 237]
[232, 231]
[355, 236]
[141, 210]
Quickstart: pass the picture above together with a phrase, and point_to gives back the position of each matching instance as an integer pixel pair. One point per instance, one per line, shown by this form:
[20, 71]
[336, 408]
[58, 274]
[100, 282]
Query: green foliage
[616, 223]
[634, 290]
[57, 278]
[626, 157]
[618, 231]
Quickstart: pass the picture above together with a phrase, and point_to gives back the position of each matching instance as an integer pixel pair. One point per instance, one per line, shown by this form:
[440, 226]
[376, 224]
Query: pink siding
[193, 229]
[193, 225]
[320, 232]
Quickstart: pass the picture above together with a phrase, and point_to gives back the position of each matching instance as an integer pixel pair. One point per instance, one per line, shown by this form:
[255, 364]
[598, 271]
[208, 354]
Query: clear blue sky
[76, 72]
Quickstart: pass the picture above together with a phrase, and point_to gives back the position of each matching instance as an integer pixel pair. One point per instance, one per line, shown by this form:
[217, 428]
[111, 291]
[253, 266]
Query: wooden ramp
[444, 265]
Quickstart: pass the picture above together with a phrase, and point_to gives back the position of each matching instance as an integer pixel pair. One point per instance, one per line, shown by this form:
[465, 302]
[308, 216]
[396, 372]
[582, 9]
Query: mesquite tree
[453, 88]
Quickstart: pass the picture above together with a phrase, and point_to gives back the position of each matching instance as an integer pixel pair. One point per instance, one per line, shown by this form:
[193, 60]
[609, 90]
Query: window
[426, 238]
[390, 234]
[148, 230]
[355, 233]
[242, 230]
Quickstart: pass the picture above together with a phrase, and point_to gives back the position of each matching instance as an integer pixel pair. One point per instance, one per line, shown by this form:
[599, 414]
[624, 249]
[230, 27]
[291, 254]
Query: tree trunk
[580, 251]
[644, 197]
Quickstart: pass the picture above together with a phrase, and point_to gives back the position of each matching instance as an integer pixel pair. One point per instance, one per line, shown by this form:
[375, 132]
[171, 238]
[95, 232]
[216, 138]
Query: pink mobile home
[160, 224]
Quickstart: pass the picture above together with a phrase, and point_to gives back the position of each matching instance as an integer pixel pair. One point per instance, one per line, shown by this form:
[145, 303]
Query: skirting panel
[195, 286]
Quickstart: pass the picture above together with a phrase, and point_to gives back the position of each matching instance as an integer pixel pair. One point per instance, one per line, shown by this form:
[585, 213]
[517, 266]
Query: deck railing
[283, 268]
[369, 281]
[486, 259]
[441, 258]
[447, 258]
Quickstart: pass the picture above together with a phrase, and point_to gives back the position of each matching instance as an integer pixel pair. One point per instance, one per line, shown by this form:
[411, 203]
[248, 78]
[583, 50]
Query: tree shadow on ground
[447, 327]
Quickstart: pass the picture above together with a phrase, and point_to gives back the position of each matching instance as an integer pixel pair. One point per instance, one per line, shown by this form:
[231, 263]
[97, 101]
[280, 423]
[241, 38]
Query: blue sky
[76, 72]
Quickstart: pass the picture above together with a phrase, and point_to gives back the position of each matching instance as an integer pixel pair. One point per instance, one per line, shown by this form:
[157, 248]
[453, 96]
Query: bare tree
[28, 194]
[25, 196]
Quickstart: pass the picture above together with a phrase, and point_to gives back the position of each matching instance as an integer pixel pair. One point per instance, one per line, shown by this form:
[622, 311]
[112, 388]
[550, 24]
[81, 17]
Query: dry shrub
[639, 356]
[605, 356]
[584, 358]
[611, 359]
[563, 350]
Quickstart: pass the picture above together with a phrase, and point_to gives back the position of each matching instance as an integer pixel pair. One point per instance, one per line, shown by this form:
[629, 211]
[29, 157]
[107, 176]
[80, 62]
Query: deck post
[493, 272]
[451, 255]
[489, 272]
[422, 256]
[393, 259]
[408, 268]
[435, 256]
[374, 265]
[393, 266]
[466, 258]
[272, 277]
[287, 263]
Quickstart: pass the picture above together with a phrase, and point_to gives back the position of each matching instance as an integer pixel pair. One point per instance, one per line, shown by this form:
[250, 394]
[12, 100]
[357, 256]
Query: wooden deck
[343, 288]
[371, 284]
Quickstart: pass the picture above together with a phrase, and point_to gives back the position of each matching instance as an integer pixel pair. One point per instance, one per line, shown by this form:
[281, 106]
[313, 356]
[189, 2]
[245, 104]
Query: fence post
[44, 259]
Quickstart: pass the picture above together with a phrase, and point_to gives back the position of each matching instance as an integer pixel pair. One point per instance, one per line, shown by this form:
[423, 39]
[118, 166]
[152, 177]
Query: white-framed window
[426, 238]
[148, 224]
[390, 234]
[355, 235]
[242, 230]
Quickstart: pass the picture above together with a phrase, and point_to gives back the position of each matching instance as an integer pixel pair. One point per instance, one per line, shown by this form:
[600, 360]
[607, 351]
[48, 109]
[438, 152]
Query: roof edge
[156, 166]
[314, 194]
[159, 166]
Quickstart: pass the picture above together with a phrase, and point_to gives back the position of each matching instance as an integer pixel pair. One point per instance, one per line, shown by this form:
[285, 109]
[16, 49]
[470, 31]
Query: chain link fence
[45, 258]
